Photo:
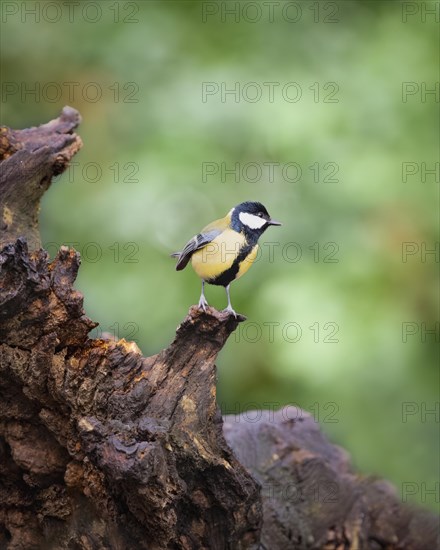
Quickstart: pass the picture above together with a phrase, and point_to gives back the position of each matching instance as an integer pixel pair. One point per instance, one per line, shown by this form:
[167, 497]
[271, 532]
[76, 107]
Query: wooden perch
[106, 445]
[101, 448]
[29, 159]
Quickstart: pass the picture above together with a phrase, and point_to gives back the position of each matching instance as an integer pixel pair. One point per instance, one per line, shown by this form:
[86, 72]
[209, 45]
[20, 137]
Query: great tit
[225, 249]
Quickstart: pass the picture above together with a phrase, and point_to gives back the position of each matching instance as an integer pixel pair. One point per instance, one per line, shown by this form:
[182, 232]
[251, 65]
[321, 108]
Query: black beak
[274, 222]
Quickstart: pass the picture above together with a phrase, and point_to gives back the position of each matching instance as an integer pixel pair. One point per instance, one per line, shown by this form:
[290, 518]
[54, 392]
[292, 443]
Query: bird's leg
[202, 302]
[229, 308]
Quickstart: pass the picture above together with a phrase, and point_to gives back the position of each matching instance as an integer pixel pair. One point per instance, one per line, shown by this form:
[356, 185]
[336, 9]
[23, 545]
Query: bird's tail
[181, 261]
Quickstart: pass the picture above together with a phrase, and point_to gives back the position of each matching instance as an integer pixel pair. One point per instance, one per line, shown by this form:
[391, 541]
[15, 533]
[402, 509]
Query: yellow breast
[219, 255]
[247, 262]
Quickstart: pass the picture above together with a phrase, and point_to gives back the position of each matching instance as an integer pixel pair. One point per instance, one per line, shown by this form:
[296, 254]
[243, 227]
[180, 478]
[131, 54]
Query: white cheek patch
[253, 222]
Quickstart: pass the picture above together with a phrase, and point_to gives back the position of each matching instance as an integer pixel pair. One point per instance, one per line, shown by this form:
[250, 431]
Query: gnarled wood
[108, 445]
[311, 496]
[29, 159]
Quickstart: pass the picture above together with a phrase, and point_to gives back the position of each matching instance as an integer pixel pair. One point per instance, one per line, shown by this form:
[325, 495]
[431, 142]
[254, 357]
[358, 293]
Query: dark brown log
[29, 159]
[101, 448]
[106, 445]
[312, 498]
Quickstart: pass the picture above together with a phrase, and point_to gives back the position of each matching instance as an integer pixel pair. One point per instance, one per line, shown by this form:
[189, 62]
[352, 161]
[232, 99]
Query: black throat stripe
[229, 275]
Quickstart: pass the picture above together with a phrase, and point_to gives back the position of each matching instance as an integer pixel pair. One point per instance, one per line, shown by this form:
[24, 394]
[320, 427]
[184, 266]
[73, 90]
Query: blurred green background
[336, 313]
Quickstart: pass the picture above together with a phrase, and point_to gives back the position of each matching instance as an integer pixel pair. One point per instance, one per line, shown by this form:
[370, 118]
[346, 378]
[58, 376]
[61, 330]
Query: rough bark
[103, 448]
[312, 498]
[29, 159]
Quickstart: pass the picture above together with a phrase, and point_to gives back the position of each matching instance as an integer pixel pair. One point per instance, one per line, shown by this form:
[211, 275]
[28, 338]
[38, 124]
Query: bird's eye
[260, 214]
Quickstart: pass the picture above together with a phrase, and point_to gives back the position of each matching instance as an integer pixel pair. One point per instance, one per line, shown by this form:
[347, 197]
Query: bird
[225, 249]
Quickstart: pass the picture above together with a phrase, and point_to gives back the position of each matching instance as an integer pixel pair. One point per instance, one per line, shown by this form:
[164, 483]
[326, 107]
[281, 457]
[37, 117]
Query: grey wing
[197, 242]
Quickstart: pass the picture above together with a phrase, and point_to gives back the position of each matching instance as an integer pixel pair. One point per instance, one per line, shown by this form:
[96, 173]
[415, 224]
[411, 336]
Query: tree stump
[101, 448]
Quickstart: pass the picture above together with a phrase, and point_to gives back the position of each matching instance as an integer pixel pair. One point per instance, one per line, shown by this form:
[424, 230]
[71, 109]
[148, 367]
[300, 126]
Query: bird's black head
[252, 218]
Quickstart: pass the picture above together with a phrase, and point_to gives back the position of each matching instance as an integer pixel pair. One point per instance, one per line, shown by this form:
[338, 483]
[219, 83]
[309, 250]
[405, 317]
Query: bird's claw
[203, 304]
[230, 311]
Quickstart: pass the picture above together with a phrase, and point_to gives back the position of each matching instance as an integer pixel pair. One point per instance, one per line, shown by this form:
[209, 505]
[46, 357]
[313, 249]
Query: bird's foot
[230, 311]
[203, 304]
